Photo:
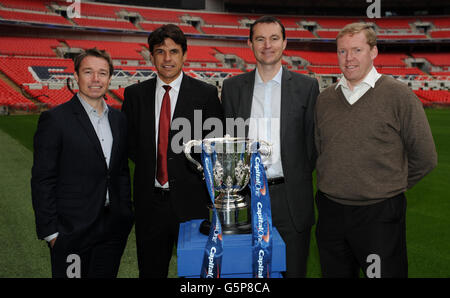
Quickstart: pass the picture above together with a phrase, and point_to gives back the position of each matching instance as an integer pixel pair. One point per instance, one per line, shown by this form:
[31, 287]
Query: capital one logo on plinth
[74, 9]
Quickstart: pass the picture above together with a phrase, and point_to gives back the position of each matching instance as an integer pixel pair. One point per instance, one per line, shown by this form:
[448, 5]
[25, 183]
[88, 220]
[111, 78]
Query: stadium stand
[10, 97]
[332, 22]
[384, 59]
[34, 5]
[438, 59]
[290, 34]
[159, 15]
[438, 21]
[437, 34]
[18, 46]
[39, 18]
[225, 31]
[392, 23]
[117, 50]
[328, 34]
[38, 67]
[201, 54]
[435, 96]
[218, 19]
[102, 11]
[97, 23]
[242, 52]
[314, 58]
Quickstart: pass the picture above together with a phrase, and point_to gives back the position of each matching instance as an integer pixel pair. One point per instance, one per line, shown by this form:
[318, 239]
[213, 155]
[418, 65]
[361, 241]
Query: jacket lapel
[115, 130]
[85, 123]
[246, 97]
[148, 103]
[183, 100]
[286, 103]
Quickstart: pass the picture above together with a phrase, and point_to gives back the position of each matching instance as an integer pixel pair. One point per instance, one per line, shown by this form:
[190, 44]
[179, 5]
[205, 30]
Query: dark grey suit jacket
[298, 153]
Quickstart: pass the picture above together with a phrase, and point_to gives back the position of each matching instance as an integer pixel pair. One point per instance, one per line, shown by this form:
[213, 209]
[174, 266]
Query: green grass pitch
[23, 255]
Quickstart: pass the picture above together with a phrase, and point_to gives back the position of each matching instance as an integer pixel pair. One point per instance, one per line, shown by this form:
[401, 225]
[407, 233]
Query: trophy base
[205, 226]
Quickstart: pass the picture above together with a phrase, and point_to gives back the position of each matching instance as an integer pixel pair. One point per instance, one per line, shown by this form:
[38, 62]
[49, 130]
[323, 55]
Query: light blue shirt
[102, 129]
[265, 120]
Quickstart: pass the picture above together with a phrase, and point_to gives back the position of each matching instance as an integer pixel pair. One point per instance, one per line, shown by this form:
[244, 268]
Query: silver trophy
[231, 173]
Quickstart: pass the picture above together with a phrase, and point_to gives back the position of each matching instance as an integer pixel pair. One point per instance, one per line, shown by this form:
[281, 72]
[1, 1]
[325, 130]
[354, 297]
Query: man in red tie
[167, 189]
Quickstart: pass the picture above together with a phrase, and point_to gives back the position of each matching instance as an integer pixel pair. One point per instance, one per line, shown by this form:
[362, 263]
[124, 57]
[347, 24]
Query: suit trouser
[156, 235]
[99, 259]
[297, 243]
[348, 237]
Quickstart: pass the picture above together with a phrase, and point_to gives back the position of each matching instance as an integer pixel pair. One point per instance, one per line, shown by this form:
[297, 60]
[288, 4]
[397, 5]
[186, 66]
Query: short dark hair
[171, 31]
[96, 53]
[267, 20]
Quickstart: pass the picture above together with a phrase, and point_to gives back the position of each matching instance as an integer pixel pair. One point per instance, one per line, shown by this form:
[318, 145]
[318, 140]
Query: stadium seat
[39, 18]
[35, 64]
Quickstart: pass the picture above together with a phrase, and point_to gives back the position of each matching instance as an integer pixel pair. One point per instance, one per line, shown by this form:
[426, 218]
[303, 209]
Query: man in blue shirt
[80, 178]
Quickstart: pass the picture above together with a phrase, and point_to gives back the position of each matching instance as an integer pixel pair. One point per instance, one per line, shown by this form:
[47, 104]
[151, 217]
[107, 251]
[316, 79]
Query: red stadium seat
[113, 24]
[12, 98]
[33, 5]
[39, 18]
[28, 46]
[32, 63]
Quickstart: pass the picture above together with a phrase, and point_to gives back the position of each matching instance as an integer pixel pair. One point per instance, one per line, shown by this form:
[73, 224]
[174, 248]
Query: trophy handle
[265, 148]
[187, 152]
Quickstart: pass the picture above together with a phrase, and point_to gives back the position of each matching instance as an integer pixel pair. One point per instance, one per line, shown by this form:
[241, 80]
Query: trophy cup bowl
[231, 173]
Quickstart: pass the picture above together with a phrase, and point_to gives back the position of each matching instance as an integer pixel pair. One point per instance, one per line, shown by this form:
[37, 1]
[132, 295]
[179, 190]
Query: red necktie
[163, 138]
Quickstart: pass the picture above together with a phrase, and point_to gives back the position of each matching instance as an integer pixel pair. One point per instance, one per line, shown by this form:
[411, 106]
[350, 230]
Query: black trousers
[297, 243]
[348, 238]
[100, 258]
[156, 235]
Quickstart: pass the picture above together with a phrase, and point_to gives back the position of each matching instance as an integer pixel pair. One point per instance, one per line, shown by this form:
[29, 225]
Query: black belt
[161, 191]
[273, 181]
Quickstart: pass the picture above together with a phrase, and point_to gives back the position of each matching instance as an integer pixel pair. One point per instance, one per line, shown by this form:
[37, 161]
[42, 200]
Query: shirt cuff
[51, 237]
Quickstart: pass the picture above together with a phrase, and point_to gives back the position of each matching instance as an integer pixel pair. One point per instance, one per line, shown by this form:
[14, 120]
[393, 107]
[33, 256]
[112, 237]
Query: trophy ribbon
[212, 258]
[261, 219]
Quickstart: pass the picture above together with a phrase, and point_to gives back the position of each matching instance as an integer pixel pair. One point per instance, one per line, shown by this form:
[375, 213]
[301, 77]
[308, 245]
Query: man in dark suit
[80, 177]
[280, 106]
[167, 188]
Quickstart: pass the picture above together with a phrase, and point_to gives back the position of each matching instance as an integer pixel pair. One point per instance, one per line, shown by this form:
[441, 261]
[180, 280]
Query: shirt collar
[89, 109]
[175, 84]
[370, 79]
[276, 78]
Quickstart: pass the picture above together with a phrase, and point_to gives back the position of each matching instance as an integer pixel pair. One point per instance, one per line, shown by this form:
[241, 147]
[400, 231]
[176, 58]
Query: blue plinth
[237, 253]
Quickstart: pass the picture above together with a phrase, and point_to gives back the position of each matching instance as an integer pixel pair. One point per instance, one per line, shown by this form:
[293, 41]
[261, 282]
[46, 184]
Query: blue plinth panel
[237, 252]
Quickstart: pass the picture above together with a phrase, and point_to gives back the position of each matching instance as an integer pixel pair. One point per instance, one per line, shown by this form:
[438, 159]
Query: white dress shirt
[265, 120]
[159, 95]
[360, 89]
